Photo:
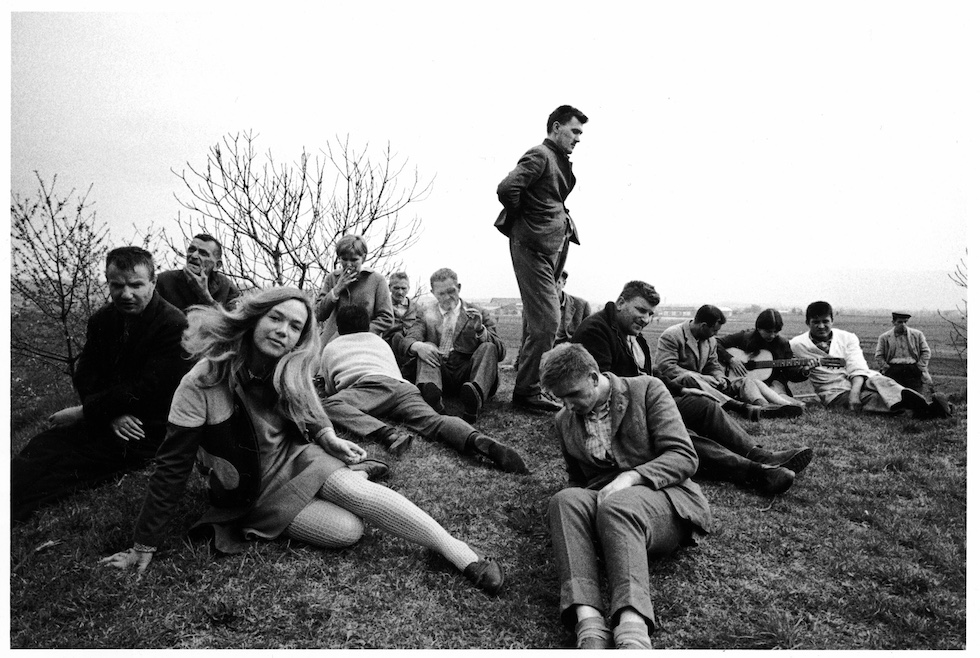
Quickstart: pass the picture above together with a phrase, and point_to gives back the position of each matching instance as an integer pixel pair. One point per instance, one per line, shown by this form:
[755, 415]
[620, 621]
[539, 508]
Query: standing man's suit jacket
[533, 196]
[649, 437]
[429, 321]
[678, 353]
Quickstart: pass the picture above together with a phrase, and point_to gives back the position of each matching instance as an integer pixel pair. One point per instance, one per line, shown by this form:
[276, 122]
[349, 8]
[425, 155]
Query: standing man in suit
[540, 228]
[199, 282]
[126, 375]
[456, 348]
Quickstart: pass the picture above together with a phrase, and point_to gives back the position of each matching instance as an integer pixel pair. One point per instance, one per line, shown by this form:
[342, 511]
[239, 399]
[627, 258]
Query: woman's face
[350, 261]
[768, 335]
[278, 331]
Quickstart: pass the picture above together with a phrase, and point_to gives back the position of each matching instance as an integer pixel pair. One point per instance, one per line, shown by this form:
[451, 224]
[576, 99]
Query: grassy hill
[866, 551]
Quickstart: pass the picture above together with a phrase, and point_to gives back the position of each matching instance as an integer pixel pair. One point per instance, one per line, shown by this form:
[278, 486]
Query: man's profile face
[399, 290]
[900, 327]
[633, 315]
[579, 395]
[446, 293]
[129, 290]
[566, 135]
[820, 327]
[704, 331]
[202, 257]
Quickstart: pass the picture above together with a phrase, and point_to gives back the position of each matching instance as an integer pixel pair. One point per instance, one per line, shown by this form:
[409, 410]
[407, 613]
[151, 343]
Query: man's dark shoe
[506, 459]
[537, 402]
[433, 396]
[394, 439]
[781, 411]
[770, 480]
[376, 470]
[940, 406]
[398, 441]
[795, 459]
[919, 405]
[472, 401]
[751, 412]
[486, 574]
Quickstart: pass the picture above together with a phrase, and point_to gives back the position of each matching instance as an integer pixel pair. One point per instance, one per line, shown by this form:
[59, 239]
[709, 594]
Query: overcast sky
[772, 153]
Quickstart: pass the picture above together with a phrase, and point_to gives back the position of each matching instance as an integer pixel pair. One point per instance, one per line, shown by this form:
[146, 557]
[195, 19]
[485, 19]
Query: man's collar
[554, 147]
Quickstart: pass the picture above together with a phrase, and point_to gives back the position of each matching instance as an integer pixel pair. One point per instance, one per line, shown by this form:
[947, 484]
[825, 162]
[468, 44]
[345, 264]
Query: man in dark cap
[903, 354]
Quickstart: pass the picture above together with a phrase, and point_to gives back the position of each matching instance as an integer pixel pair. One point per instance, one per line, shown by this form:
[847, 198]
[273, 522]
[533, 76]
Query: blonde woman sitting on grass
[249, 413]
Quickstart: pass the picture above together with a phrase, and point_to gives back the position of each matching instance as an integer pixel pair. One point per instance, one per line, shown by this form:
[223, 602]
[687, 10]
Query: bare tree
[278, 222]
[957, 323]
[57, 274]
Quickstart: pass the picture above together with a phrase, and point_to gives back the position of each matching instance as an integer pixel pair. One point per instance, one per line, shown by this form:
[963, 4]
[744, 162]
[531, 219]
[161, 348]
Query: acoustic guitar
[761, 364]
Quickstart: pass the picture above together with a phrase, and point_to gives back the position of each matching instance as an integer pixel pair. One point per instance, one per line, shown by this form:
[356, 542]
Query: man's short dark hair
[818, 310]
[443, 274]
[565, 113]
[353, 319]
[564, 275]
[566, 362]
[207, 237]
[635, 289]
[127, 258]
[398, 276]
[710, 315]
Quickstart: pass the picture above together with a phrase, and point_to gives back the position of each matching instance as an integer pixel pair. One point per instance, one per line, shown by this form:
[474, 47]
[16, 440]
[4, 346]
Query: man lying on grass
[856, 386]
[363, 385]
[629, 462]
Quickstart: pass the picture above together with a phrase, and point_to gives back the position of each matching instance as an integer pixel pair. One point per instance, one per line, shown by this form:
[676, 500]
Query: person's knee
[567, 500]
[349, 529]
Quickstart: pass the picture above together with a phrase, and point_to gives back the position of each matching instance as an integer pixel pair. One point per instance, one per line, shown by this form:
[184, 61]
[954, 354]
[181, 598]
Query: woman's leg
[324, 524]
[772, 396]
[394, 513]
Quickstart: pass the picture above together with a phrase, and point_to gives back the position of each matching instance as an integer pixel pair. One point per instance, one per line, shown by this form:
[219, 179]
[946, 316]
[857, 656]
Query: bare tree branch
[278, 222]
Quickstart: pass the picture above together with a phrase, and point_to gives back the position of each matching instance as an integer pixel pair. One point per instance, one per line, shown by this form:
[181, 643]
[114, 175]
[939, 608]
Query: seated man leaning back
[614, 337]
[856, 387]
[629, 495]
[456, 346]
[364, 385]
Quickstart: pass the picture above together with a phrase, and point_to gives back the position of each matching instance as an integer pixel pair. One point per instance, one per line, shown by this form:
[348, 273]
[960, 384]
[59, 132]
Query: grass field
[866, 551]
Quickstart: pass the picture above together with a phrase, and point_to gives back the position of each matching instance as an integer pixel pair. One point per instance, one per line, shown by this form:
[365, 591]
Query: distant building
[685, 312]
[505, 306]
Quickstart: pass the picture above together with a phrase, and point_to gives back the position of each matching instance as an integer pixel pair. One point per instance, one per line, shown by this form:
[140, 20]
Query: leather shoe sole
[536, 403]
[400, 442]
[781, 411]
[486, 574]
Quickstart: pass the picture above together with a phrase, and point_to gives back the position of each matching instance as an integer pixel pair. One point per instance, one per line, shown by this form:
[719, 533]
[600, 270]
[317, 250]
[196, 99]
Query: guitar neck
[776, 363]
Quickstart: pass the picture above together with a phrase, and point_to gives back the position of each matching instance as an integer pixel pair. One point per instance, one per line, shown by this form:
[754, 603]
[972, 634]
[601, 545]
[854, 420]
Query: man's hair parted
[634, 289]
[127, 258]
[563, 114]
[564, 363]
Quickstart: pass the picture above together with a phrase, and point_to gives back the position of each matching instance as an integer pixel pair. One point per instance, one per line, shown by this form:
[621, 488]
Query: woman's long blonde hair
[224, 338]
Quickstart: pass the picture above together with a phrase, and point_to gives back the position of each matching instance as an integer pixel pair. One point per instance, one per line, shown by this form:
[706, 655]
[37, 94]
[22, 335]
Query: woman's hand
[347, 451]
[347, 277]
[129, 558]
